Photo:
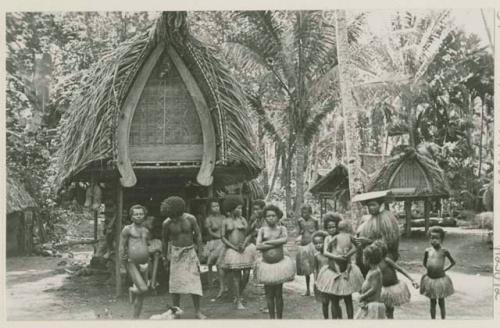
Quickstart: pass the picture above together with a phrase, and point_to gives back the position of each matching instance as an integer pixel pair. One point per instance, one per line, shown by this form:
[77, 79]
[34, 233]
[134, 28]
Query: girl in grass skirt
[320, 261]
[275, 268]
[341, 278]
[436, 284]
[394, 291]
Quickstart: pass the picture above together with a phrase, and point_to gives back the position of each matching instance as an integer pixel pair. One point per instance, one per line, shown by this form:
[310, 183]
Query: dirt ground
[40, 289]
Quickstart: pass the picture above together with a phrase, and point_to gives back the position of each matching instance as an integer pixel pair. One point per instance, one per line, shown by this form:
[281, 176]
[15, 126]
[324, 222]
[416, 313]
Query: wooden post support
[427, 208]
[118, 227]
[408, 217]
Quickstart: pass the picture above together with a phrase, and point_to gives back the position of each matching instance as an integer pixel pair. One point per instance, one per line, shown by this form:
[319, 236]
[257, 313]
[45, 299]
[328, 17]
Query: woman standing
[239, 254]
[275, 268]
[379, 224]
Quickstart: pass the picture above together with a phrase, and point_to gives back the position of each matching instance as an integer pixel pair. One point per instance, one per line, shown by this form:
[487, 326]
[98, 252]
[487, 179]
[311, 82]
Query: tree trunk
[286, 162]
[349, 113]
[299, 173]
[262, 152]
[275, 173]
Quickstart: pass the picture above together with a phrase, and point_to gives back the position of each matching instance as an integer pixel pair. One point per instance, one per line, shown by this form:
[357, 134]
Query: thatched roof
[88, 127]
[336, 179]
[254, 189]
[336, 182]
[18, 198]
[414, 174]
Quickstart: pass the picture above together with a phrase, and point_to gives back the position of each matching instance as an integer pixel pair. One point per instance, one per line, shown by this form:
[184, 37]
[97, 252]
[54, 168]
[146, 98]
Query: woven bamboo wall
[165, 126]
[410, 175]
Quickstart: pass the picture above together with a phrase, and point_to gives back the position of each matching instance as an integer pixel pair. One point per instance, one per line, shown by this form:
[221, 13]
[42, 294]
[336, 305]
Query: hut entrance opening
[165, 127]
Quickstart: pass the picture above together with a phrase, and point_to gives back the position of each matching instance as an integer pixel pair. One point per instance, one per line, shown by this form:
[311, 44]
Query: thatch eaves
[88, 128]
[411, 170]
[18, 199]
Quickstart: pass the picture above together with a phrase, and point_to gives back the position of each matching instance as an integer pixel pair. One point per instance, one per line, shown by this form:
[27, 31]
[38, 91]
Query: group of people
[236, 246]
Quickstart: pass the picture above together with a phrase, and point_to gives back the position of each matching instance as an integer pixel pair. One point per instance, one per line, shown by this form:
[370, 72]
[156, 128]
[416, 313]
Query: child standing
[394, 291]
[320, 260]
[436, 284]
[341, 278]
[274, 268]
[369, 298]
[305, 254]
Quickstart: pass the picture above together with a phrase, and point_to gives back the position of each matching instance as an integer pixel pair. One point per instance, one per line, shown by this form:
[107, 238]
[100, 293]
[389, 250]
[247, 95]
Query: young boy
[305, 255]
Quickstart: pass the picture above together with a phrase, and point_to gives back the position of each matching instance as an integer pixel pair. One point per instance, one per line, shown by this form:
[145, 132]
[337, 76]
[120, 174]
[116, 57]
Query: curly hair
[319, 233]
[135, 207]
[307, 207]
[173, 206]
[437, 230]
[382, 246]
[332, 217]
[208, 207]
[275, 209]
[344, 226]
[231, 202]
[372, 254]
[260, 203]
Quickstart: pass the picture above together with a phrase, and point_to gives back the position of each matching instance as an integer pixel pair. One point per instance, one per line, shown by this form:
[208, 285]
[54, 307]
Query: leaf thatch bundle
[18, 198]
[439, 186]
[87, 133]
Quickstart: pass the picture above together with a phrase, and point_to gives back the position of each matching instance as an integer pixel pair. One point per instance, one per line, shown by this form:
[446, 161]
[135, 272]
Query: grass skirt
[395, 295]
[340, 284]
[372, 310]
[305, 259]
[276, 273]
[212, 251]
[436, 288]
[233, 260]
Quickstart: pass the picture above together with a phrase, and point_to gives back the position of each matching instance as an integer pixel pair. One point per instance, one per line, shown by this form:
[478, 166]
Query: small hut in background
[20, 219]
[332, 190]
[412, 176]
[160, 115]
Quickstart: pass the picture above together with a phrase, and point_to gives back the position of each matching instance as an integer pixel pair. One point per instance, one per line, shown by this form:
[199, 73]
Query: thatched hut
[333, 187]
[20, 218]
[412, 176]
[160, 115]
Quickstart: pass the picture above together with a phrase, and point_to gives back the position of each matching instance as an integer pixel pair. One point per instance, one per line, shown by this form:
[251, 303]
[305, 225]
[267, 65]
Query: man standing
[182, 230]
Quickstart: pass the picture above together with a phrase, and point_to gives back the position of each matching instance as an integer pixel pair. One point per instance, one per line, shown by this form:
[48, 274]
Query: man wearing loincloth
[183, 232]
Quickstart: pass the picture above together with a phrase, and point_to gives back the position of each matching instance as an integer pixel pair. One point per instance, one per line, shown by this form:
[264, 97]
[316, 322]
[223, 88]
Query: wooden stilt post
[426, 213]
[408, 217]
[118, 227]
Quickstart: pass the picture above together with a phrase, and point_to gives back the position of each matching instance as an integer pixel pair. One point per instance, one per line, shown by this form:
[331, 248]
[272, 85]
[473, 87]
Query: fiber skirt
[305, 259]
[335, 283]
[395, 295]
[436, 288]
[212, 251]
[276, 273]
[319, 296]
[234, 260]
[372, 310]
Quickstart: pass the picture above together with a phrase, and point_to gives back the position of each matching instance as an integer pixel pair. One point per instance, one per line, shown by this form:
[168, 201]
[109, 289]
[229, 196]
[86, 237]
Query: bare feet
[200, 316]
[239, 306]
[308, 293]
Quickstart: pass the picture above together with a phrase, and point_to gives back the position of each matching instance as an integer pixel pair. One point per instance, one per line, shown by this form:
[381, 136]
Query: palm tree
[296, 52]
[349, 111]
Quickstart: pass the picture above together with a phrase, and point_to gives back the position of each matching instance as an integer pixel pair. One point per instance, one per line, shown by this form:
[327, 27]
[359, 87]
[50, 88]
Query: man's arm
[196, 232]
[165, 236]
[123, 241]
